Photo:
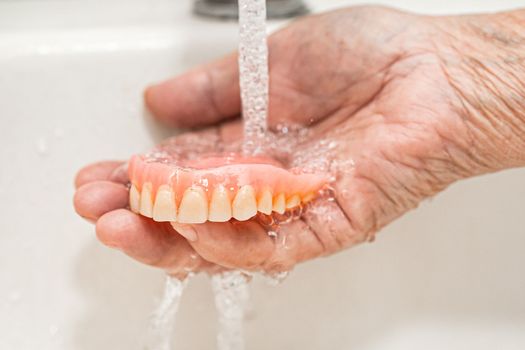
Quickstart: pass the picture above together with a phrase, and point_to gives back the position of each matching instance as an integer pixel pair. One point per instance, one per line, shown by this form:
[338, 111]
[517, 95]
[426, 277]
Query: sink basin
[446, 276]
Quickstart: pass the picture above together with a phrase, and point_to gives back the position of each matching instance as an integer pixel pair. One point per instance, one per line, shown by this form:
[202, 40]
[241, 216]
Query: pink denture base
[232, 172]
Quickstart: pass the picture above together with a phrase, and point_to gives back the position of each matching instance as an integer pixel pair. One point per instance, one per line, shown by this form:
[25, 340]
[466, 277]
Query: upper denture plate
[279, 204]
[265, 203]
[146, 202]
[193, 207]
[293, 201]
[164, 208]
[134, 199]
[220, 205]
[244, 205]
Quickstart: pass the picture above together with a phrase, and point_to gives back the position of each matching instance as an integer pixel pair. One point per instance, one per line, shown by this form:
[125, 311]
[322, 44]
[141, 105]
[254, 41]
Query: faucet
[228, 9]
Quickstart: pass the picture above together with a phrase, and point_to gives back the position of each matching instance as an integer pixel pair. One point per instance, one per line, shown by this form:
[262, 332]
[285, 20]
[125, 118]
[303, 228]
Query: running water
[253, 72]
[231, 288]
[231, 299]
[163, 319]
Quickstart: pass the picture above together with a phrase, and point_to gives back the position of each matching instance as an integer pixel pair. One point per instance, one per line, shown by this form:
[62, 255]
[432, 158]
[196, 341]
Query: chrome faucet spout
[228, 9]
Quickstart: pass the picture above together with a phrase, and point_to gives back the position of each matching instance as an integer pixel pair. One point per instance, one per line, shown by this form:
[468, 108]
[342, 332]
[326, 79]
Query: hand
[374, 81]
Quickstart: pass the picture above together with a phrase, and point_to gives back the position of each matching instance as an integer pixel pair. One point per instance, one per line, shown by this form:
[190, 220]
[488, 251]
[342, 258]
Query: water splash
[231, 300]
[163, 319]
[276, 278]
[253, 71]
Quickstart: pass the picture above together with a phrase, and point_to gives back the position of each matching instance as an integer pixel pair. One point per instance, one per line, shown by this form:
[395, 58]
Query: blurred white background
[447, 276]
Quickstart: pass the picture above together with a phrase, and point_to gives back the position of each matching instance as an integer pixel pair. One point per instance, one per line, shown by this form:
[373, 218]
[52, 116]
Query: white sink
[447, 276]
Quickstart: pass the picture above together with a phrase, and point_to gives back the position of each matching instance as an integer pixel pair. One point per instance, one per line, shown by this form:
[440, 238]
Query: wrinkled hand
[370, 80]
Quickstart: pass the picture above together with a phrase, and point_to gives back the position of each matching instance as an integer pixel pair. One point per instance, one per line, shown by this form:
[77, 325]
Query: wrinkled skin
[374, 80]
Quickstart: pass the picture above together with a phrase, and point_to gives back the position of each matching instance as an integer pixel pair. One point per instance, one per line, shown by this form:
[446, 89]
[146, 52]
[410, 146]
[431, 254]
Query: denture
[216, 188]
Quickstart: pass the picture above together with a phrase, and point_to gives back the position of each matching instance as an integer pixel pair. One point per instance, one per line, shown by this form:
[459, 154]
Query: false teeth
[160, 188]
[293, 201]
[134, 199]
[164, 208]
[220, 205]
[146, 205]
[265, 202]
[279, 204]
[193, 206]
[244, 205]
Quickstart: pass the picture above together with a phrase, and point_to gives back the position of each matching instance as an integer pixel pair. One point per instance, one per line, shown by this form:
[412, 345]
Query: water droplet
[272, 234]
[284, 239]
[283, 219]
[276, 278]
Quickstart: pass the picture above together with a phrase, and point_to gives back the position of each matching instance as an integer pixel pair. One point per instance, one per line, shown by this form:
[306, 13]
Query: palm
[388, 104]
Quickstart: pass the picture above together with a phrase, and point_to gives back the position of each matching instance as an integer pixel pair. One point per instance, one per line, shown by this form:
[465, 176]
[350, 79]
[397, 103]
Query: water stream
[231, 288]
[163, 319]
[231, 299]
[253, 73]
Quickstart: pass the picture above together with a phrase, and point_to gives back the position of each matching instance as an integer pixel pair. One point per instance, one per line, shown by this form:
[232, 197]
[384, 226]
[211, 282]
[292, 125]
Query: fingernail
[186, 231]
[120, 174]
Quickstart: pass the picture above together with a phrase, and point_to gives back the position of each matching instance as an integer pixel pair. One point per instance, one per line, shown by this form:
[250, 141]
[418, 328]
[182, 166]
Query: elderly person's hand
[415, 102]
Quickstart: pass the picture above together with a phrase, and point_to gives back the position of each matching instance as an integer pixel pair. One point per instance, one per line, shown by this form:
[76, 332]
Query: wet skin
[416, 102]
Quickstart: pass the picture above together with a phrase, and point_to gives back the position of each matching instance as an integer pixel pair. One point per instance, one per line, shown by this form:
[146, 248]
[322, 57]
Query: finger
[331, 226]
[120, 174]
[295, 242]
[367, 206]
[149, 242]
[247, 245]
[233, 244]
[94, 199]
[203, 96]
[96, 172]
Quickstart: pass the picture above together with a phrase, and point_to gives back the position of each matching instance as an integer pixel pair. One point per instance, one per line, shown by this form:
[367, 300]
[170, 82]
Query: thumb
[203, 96]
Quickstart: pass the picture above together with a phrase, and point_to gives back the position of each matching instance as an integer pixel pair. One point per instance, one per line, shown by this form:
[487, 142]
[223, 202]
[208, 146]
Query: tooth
[220, 205]
[293, 201]
[279, 204]
[134, 199]
[244, 204]
[164, 208]
[193, 206]
[265, 202]
[146, 203]
[308, 197]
